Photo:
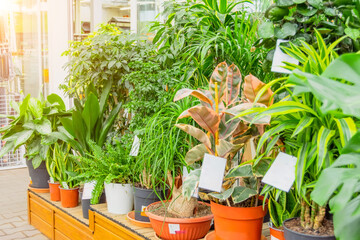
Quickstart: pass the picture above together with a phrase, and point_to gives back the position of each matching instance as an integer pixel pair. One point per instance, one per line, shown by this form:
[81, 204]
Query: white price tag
[135, 147]
[281, 174]
[273, 238]
[212, 173]
[51, 180]
[173, 228]
[280, 57]
[88, 188]
[64, 184]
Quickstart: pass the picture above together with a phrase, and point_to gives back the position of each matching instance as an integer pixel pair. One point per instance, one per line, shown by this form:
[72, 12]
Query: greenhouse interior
[180, 119]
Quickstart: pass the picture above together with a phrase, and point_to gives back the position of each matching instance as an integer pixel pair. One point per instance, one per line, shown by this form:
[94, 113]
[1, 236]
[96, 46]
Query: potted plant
[110, 167]
[315, 137]
[33, 127]
[226, 136]
[338, 184]
[68, 169]
[163, 152]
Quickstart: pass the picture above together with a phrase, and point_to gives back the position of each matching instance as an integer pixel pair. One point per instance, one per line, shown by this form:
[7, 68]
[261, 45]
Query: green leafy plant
[226, 135]
[337, 92]
[34, 126]
[89, 122]
[314, 136]
[197, 35]
[297, 20]
[109, 165]
[67, 165]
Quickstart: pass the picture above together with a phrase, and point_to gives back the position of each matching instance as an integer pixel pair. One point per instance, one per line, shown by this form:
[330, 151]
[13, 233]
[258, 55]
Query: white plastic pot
[119, 198]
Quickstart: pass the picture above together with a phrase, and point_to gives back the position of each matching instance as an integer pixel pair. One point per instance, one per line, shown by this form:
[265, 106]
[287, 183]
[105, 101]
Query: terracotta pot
[54, 191]
[69, 197]
[238, 223]
[179, 228]
[275, 233]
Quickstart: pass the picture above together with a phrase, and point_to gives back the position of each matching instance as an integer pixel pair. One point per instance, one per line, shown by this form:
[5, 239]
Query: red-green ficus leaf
[219, 76]
[233, 82]
[182, 93]
[251, 88]
[196, 133]
[206, 118]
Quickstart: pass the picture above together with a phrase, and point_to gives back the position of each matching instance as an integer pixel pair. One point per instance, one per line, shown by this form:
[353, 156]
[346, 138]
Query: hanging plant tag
[88, 188]
[281, 174]
[280, 57]
[212, 173]
[173, 228]
[135, 147]
[64, 184]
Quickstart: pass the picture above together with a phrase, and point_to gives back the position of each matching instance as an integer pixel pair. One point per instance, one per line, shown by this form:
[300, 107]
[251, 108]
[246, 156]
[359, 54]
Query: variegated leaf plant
[222, 134]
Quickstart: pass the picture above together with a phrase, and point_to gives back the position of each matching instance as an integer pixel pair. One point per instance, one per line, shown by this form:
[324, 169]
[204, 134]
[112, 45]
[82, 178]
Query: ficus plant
[224, 135]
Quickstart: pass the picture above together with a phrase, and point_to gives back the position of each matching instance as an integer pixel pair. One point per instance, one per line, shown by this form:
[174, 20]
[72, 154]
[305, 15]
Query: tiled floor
[13, 206]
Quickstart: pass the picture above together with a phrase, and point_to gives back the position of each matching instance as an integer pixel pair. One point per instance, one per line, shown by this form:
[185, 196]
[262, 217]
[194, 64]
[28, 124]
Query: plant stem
[257, 190]
[307, 216]
[313, 213]
[302, 214]
[319, 217]
[217, 112]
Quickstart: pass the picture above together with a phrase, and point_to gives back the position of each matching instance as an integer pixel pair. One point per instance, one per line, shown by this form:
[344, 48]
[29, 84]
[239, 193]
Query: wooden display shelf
[58, 223]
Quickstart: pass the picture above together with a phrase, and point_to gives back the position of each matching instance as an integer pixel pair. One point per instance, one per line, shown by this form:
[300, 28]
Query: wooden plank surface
[145, 232]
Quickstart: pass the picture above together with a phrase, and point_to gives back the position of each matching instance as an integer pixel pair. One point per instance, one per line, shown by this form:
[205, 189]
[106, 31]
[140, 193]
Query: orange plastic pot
[54, 191]
[69, 197]
[179, 228]
[276, 233]
[238, 223]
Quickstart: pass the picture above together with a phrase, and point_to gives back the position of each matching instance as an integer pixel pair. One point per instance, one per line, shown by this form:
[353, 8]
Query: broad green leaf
[240, 171]
[36, 107]
[22, 137]
[91, 112]
[353, 144]
[352, 33]
[54, 98]
[195, 154]
[287, 30]
[323, 140]
[241, 194]
[300, 166]
[224, 195]
[9, 146]
[347, 129]
[43, 127]
[196, 133]
[108, 124]
[266, 30]
[305, 122]
[24, 105]
[36, 161]
[67, 124]
[346, 221]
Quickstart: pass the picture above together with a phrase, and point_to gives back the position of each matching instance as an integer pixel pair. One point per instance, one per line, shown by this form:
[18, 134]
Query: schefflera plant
[225, 135]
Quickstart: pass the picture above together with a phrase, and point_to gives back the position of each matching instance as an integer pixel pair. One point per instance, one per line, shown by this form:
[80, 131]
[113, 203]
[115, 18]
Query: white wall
[59, 32]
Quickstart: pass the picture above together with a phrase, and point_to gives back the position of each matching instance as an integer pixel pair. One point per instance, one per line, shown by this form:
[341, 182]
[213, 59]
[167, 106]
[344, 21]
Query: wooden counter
[59, 223]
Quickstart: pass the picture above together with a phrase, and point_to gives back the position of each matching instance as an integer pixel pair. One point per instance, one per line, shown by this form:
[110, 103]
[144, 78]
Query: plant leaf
[241, 194]
[196, 133]
[252, 87]
[206, 118]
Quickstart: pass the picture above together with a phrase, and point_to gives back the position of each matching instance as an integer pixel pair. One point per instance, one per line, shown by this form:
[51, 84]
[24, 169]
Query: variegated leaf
[206, 118]
[196, 133]
[219, 76]
[323, 139]
[227, 127]
[241, 194]
[304, 123]
[222, 196]
[195, 154]
[182, 93]
[347, 129]
[190, 183]
[240, 171]
[252, 87]
[233, 81]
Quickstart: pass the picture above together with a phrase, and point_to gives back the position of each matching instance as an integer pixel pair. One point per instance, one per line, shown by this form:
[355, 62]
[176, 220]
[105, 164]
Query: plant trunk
[313, 214]
[319, 218]
[302, 214]
[307, 217]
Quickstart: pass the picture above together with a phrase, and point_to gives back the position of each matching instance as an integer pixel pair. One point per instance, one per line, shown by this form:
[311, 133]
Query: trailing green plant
[336, 92]
[315, 137]
[67, 165]
[111, 164]
[34, 125]
[89, 122]
[297, 20]
[226, 135]
[197, 35]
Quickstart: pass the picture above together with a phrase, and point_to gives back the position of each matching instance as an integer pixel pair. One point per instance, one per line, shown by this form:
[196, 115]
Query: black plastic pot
[292, 235]
[85, 205]
[143, 198]
[39, 176]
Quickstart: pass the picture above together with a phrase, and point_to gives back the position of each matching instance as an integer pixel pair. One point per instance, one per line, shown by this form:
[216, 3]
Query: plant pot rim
[57, 182]
[178, 220]
[216, 204]
[69, 188]
[275, 228]
[303, 234]
[119, 183]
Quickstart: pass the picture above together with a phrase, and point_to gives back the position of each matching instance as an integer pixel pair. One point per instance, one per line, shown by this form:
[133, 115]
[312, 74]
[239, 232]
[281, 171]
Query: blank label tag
[135, 147]
[212, 173]
[280, 57]
[281, 174]
[173, 228]
[64, 184]
[273, 238]
[51, 180]
[88, 188]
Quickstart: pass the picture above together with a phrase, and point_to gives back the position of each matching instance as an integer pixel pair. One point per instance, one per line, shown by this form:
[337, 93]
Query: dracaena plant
[224, 135]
